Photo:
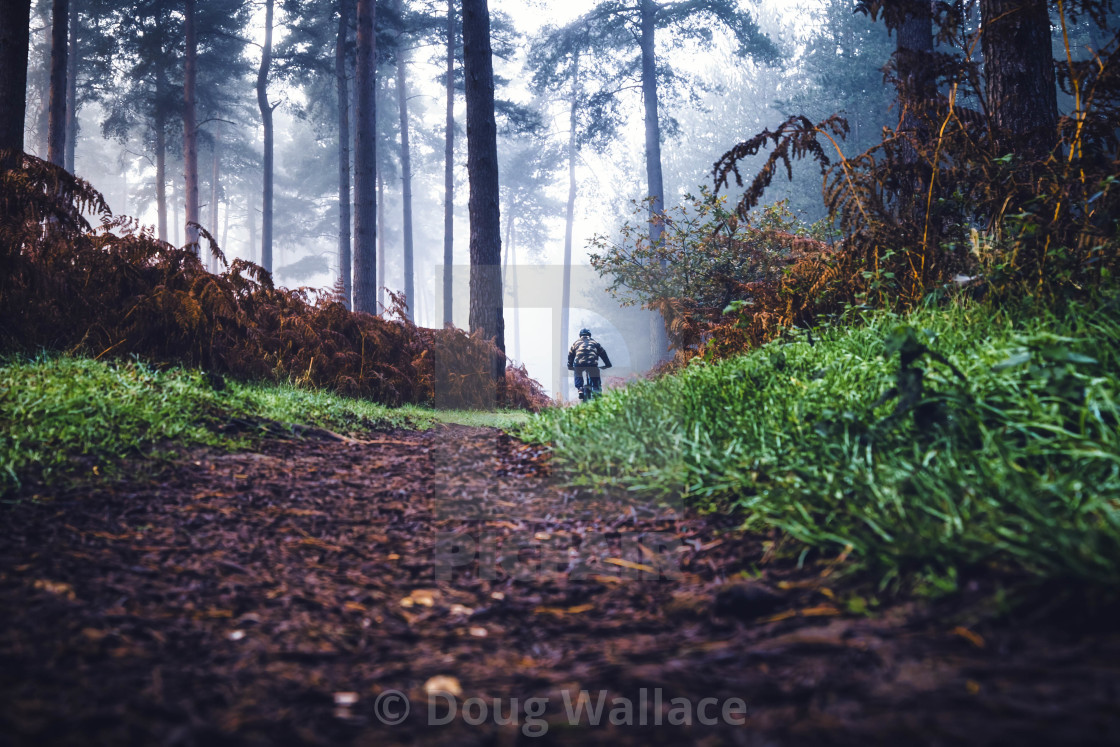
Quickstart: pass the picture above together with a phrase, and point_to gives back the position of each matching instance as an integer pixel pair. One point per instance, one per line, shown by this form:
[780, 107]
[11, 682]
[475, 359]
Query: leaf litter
[275, 597]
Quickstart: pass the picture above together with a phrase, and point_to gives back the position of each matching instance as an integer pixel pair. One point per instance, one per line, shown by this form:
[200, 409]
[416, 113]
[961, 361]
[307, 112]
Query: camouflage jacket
[586, 352]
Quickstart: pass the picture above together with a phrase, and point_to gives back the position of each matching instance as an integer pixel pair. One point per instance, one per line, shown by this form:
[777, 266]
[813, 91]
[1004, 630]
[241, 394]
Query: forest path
[285, 596]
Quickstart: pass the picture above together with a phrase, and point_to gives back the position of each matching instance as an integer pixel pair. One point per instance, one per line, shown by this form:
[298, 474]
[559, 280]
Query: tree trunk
[381, 253]
[510, 278]
[570, 217]
[215, 166]
[266, 110]
[406, 174]
[56, 123]
[177, 226]
[482, 170]
[251, 219]
[379, 157]
[14, 44]
[914, 68]
[449, 171]
[225, 227]
[365, 164]
[341, 76]
[659, 341]
[72, 92]
[1019, 75]
[190, 129]
[652, 124]
[161, 164]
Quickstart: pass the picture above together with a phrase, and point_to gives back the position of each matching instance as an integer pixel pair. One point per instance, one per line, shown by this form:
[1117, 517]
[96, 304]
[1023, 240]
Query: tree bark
[72, 91]
[1019, 75]
[654, 180]
[190, 128]
[659, 341]
[449, 172]
[570, 217]
[509, 278]
[225, 226]
[215, 167]
[482, 170]
[251, 219]
[365, 164]
[176, 225]
[14, 44]
[161, 159]
[342, 78]
[406, 174]
[56, 122]
[381, 253]
[913, 65]
[268, 159]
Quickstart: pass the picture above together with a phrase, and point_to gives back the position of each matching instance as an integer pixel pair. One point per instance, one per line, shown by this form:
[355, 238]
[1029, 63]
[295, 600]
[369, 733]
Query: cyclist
[583, 358]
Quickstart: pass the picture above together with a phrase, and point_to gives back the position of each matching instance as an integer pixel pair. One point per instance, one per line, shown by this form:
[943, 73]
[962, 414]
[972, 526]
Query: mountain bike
[586, 388]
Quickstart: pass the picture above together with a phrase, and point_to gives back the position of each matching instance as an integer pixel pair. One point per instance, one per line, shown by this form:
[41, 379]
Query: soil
[311, 591]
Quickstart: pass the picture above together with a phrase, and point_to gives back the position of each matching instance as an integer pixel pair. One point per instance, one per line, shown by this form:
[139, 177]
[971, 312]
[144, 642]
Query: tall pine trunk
[406, 174]
[14, 44]
[509, 279]
[215, 172]
[1019, 75]
[251, 219]
[482, 171]
[570, 216]
[56, 121]
[268, 159]
[72, 91]
[190, 128]
[365, 164]
[914, 67]
[449, 171]
[381, 253]
[225, 225]
[342, 82]
[161, 163]
[177, 237]
[654, 180]
[659, 343]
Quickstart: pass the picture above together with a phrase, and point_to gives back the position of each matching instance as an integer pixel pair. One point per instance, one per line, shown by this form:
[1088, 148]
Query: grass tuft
[60, 414]
[930, 442]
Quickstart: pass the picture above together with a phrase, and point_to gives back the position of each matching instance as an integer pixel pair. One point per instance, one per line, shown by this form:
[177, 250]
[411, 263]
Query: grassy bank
[938, 441]
[59, 414]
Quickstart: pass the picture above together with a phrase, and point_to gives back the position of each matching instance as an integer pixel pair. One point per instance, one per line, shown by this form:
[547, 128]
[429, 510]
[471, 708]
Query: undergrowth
[62, 415]
[933, 442]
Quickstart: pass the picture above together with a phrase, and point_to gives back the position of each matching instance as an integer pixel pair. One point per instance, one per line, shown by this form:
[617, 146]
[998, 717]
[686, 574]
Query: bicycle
[585, 384]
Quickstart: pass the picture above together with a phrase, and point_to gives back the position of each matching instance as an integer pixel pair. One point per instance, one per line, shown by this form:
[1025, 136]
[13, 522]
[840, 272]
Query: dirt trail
[287, 596]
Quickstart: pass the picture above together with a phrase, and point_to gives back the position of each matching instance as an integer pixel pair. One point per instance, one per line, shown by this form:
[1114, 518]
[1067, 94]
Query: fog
[738, 98]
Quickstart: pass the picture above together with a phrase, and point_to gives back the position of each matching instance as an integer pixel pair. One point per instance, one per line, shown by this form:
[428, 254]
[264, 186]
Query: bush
[117, 291]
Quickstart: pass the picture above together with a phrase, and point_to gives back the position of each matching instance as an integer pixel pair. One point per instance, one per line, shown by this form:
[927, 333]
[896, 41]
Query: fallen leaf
[974, 638]
[824, 610]
[631, 565]
[55, 587]
[563, 610]
[443, 683]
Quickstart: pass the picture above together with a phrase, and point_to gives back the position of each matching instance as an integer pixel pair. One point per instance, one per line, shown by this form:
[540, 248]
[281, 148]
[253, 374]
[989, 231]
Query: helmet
[585, 332]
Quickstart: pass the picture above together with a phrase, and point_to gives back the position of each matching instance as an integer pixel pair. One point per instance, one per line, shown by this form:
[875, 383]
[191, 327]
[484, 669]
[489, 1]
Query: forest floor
[311, 591]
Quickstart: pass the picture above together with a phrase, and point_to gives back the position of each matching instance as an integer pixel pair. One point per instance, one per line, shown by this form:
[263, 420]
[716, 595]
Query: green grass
[59, 414]
[1017, 464]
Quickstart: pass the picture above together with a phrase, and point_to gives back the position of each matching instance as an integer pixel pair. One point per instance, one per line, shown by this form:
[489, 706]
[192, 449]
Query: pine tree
[486, 315]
